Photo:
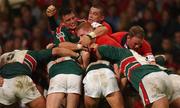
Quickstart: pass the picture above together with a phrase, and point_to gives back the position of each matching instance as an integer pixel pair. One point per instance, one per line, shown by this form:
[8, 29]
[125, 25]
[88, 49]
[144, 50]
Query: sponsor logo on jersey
[60, 35]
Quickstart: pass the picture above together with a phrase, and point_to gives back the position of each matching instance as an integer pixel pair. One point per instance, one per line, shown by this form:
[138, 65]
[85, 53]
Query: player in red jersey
[134, 39]
[96, 15]
[96, 18]
[83, 31]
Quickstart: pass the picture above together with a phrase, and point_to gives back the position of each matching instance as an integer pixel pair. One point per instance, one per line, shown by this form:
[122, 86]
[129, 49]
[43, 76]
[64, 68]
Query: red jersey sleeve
[146, 51]
[108, 27]
[146, 48]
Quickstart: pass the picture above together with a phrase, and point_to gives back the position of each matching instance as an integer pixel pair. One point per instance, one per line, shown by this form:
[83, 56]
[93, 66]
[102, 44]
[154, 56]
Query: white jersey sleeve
[11, 57]
[96, 24]
[141, 59]
[150, 58]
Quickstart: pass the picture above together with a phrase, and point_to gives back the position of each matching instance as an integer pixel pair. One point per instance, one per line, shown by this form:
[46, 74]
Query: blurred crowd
[24, 24]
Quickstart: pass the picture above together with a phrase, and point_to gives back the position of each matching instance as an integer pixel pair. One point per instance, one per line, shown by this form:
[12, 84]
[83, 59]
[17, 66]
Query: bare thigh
[54, 100]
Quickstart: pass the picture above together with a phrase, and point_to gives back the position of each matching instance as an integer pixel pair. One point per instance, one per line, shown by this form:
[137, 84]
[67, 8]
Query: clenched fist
[51, 11]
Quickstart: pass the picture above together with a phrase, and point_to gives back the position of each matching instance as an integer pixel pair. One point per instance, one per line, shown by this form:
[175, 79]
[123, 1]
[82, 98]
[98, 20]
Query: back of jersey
[11, 57]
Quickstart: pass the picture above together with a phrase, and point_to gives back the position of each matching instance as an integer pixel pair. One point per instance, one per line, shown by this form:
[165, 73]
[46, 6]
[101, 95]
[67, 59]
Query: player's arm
[99, 30]
[90, 37]
[122, 81]
[84, 56]
[50, 12]
[111, 53]
[147, 50]
[46, 54]
[71, 46]
[151, 59]
[84, 60]
[64, 52]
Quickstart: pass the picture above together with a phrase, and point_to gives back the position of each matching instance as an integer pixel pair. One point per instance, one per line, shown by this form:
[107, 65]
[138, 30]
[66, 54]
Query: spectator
[28, 20]
[152, 35]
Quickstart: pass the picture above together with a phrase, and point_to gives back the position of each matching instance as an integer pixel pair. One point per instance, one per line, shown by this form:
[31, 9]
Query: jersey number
[10, 56]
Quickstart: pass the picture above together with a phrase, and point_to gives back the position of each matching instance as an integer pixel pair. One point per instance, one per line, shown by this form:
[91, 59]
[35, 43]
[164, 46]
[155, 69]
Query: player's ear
[128, 37]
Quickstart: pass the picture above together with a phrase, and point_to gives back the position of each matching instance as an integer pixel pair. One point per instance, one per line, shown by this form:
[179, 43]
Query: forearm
[52, 23]
[70, 46]
[123, 83]
[100, 31]
[64, 52]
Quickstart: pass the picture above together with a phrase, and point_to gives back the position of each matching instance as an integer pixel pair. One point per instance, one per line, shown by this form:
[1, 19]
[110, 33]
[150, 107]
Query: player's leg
[54, 100]
[161, 103]
[115, 100]
[72, 100]
[28, 92]
[73, 90]
[155, 90]
[111, 89]
[39, 102]
[175, 103]
[57, 91]
[91, 102]
[92, 89]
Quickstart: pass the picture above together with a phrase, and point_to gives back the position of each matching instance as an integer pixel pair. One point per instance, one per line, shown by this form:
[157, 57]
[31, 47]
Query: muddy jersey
[64, 65]
[22, 62]
[99, 64]
[131, 64]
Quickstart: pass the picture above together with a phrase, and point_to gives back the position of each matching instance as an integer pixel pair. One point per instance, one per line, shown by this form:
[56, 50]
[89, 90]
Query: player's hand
[51, 11]
[85, 40]
[50, 46]
[1, 81]
[93, 46]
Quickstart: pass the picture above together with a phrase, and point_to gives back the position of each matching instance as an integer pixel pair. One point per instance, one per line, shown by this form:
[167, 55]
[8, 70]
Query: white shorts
[175, 81]
[18, 88]
[100, 82]
[155, 86]
[65, 83]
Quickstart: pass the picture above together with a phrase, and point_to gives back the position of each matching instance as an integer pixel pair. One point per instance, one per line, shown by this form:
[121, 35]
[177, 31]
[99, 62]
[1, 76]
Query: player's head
[83, 29]
[135, 37]
[96, 13]
[68, 18]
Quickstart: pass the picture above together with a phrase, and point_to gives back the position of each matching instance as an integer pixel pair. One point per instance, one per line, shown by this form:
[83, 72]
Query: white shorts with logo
[155, 86]
[65, 83]
[18, 88]
[100, 82]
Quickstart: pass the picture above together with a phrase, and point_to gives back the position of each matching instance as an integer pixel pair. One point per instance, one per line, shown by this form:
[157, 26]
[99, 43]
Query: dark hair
[65, 11]
[100, 6]
[137, 31]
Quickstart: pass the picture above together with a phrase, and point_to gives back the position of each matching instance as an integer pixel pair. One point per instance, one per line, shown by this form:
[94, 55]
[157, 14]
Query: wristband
[91, 35]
